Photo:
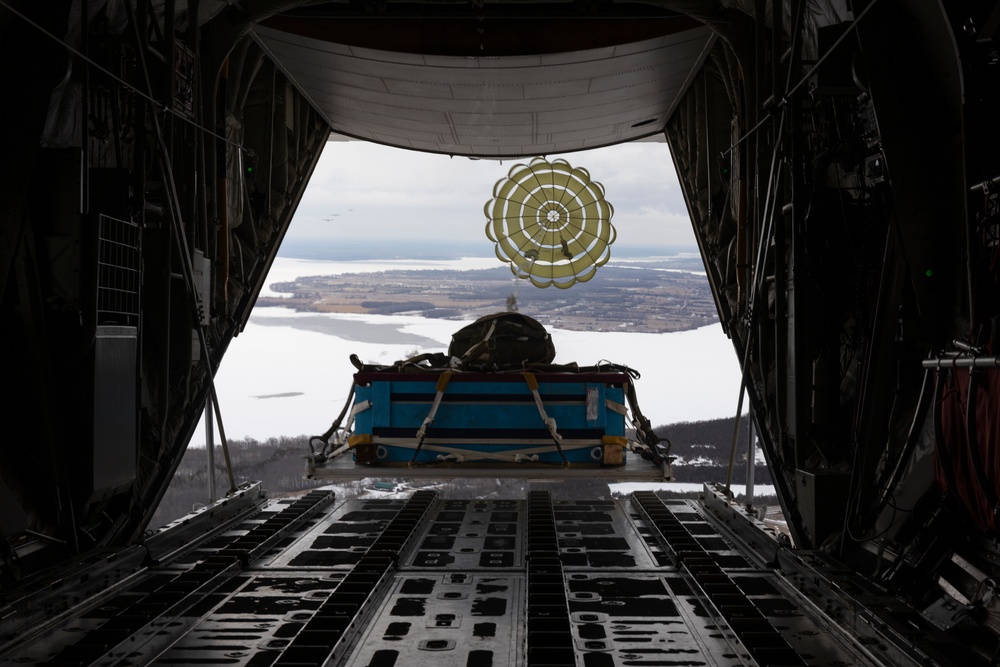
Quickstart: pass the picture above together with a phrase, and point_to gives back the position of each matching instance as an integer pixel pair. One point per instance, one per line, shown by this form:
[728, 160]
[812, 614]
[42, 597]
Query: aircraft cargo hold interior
[840, 164]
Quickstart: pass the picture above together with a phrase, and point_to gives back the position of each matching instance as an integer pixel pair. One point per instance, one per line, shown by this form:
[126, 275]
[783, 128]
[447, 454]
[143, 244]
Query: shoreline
[648, 295]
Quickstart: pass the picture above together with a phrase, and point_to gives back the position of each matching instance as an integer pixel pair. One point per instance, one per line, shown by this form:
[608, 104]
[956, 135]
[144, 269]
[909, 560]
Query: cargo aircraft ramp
[422, 579]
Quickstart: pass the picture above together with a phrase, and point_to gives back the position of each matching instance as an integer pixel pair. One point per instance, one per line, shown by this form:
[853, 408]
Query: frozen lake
[289, 373]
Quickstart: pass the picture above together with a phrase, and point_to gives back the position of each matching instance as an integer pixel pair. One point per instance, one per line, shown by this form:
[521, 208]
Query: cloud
[361, 190]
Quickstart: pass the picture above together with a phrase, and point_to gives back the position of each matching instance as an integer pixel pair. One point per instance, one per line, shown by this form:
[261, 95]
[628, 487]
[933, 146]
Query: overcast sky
[362, 191]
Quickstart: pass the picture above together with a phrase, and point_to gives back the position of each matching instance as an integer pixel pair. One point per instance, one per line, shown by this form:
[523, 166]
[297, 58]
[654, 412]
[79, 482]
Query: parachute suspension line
[512, 299]
[522, 276]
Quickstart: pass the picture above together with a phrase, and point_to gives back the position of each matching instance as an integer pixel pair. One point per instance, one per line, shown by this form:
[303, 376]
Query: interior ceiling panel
[493, 105]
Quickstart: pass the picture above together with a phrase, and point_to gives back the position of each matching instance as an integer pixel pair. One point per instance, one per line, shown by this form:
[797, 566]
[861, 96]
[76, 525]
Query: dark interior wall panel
[12, 516]
[115, 423]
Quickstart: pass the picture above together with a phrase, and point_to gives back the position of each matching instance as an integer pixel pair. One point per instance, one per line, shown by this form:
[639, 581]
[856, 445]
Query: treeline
[704, 449]
[279, 464]
[425, 308]
[393, 307]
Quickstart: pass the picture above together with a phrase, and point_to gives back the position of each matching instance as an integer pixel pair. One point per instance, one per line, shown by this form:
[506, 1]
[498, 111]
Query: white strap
[441, 384]
[549, 422]
[568, 444]
[338, 451]
[614, 406]
[515, 456]
[358, 408]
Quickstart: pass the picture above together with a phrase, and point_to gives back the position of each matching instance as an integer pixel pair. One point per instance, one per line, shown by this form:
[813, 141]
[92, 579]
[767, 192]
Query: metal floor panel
[454, 583]
[467, 535]
[451, 619]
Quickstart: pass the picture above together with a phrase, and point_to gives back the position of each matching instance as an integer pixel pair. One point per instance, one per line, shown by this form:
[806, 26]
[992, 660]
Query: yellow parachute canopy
[550, 222]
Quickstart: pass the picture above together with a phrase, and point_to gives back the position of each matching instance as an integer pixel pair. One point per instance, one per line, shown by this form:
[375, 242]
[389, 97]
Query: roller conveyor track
[424, 580]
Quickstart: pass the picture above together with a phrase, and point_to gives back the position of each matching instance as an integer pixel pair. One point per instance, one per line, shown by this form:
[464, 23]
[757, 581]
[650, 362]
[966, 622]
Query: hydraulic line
[736, 435]
[768, 215]
[180, 238]
[911, 442]
[972, 442]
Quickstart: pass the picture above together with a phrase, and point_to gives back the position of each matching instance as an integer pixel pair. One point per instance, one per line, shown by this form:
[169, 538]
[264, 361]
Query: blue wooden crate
[489, 418]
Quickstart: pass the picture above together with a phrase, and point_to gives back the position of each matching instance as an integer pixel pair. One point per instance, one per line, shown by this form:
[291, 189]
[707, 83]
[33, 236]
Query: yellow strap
[530, 379]
[443, 380]
[359, 439]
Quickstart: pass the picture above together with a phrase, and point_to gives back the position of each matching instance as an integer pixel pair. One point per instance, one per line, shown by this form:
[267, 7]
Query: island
[646, 297]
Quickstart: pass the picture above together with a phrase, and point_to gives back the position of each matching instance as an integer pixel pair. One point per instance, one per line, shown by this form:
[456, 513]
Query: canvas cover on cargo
[502, 341]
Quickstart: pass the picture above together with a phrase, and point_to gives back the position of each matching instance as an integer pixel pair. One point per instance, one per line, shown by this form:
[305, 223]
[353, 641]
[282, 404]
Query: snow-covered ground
[285, 380]
[289, 373]
[625, 488]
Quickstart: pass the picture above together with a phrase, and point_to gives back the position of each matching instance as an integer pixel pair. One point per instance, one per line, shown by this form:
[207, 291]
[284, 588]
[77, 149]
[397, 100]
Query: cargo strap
[644, 429]
[358, 408]
[651, 449]
[549, 422]
[324, 440]
[615, 406]
[351, 442]
[485, 342]
[442, 383]
[528, 454]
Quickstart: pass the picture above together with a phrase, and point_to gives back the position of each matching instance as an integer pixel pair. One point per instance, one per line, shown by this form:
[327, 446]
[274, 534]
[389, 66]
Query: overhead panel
[492, 106]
